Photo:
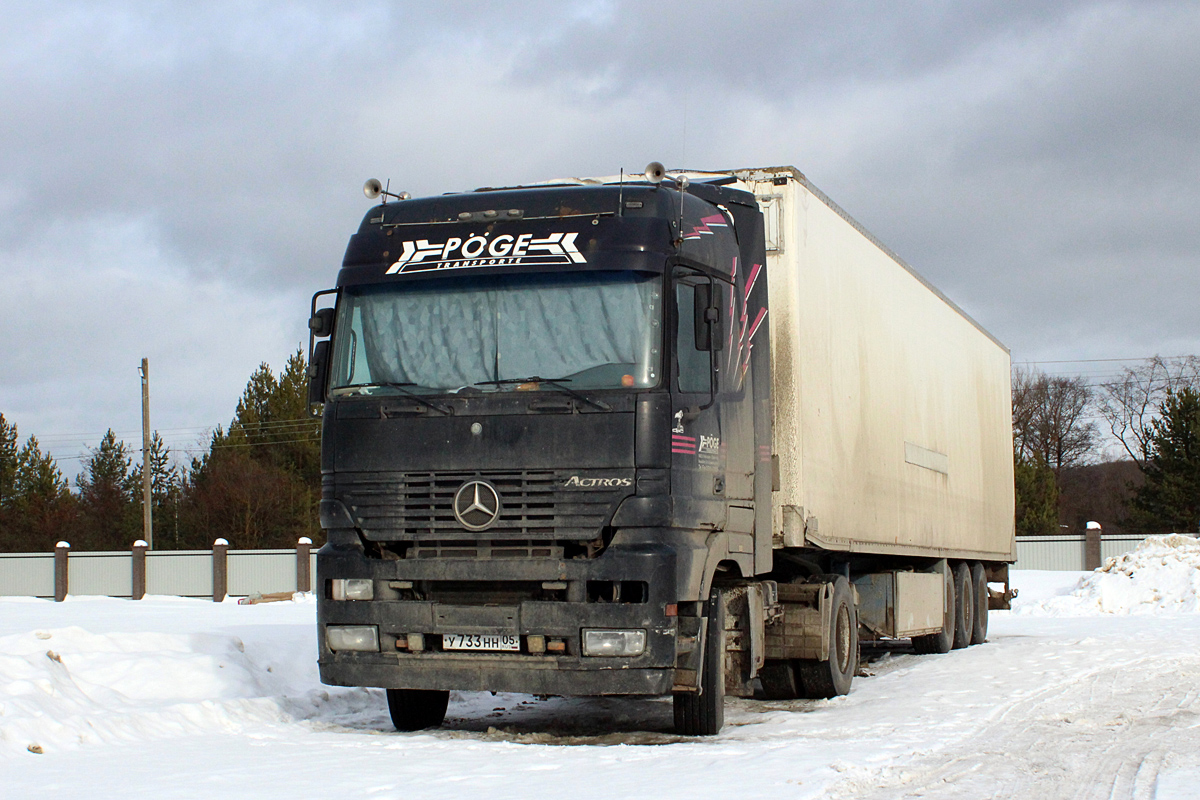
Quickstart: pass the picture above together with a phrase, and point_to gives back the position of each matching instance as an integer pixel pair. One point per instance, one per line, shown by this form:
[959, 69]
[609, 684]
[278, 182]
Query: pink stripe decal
[732, 310]
[762, 313]
[716, 220]
[751, 280]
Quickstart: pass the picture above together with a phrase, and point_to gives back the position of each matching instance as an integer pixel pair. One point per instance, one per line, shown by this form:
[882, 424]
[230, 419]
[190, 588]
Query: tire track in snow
[1104, 735]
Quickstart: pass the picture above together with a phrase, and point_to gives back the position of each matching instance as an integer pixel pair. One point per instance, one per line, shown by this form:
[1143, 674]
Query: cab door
[698, 460]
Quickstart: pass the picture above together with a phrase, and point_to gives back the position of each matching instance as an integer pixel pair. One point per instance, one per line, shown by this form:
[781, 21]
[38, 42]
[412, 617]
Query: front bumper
[562, 673]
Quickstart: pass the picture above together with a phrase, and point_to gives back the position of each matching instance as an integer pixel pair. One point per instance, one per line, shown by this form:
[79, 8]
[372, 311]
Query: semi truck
[696, 434]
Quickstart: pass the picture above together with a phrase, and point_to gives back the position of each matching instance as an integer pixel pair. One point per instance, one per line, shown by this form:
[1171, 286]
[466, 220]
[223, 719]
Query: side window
[350, 366]
[693, 336]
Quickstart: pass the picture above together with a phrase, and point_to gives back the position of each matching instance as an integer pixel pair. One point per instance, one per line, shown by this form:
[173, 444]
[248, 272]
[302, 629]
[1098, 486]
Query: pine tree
[107, 498]
[272, 421]
[36, 475]
[259, 484]
[1169, 500]
[1036, 497]
[165, 486]
[8, 461]
[42, 509]
[8, 475]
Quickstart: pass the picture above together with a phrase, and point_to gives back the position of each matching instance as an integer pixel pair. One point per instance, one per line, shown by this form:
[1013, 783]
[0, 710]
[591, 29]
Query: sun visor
[580, 243]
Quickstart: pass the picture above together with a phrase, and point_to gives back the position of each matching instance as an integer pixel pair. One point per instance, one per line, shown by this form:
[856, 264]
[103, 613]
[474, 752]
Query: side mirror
[321, 322]
[318, 372]
[707, 319]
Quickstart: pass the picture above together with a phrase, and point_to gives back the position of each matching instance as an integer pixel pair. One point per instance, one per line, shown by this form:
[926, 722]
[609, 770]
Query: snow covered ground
[1087, 689]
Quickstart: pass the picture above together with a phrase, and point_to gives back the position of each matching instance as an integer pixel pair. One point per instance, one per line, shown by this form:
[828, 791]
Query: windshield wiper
[403, 388]
[557, 383]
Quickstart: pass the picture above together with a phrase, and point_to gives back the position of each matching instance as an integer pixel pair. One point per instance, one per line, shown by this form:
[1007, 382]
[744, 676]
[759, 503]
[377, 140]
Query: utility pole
[147, 478]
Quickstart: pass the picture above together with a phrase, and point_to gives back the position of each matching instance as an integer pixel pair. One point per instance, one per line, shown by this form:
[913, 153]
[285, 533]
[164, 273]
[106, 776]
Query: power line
[195, 450]
[1102, 360]
[176, 433]
[254, 444]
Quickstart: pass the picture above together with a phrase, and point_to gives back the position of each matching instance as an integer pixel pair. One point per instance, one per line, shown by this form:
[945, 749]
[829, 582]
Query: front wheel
[703, 713]
[417, 709]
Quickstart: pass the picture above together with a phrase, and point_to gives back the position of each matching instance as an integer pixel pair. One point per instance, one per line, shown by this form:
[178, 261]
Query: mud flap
[999, 600]
[689, 649]
[747, 610]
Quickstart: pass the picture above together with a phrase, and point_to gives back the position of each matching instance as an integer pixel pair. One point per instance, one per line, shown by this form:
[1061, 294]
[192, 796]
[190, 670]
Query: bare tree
[1050, 425]
[1130, 403]
[1024, 407]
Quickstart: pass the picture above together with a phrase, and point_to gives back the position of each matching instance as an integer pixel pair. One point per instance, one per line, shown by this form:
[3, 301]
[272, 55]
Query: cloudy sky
[176, 179]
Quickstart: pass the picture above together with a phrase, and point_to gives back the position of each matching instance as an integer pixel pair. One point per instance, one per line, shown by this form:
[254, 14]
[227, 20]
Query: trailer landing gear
[943, 640]
[966, 613]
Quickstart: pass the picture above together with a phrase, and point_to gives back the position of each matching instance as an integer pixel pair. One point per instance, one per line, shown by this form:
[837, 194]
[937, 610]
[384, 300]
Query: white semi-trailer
[690, 434]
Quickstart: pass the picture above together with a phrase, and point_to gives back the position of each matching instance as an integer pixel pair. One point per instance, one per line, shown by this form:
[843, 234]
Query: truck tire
[703, 713]
[964, 605]
[979, 582]
[417, 709]
[942, 641]
[832, 677]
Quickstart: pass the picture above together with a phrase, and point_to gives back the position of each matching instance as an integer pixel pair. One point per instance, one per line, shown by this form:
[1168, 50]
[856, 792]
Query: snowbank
[1162, 575]
[66, 687]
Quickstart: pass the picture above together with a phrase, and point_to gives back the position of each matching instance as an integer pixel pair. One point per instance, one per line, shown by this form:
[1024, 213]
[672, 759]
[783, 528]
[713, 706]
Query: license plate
[481, 641]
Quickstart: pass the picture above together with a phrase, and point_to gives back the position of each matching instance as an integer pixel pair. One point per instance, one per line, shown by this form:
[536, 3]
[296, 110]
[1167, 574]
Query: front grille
[419, 505]
[427, 548]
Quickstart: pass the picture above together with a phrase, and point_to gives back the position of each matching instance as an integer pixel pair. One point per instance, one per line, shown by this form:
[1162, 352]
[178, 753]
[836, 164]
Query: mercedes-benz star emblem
[477, 505]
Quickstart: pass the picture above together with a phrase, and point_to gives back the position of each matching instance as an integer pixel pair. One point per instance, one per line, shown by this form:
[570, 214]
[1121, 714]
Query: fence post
[61, 573]
[138, 590]
[220, 560]
[303, 565]
[1091, 546]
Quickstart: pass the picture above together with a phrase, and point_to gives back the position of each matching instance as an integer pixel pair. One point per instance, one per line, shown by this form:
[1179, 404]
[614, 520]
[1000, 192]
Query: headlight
[361, 638]
[599, 642]
[352, 589]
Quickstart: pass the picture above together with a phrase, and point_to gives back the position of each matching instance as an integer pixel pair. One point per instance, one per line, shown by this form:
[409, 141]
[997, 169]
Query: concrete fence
[1074, 551]
[215, 573]
[222, 572]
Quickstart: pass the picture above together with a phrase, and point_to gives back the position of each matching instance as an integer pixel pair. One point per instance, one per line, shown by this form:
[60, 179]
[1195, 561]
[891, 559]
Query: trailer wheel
[943, 640]
[979, 582]
[964, 605]
[703, 713]
[417, 709]
[833, 677]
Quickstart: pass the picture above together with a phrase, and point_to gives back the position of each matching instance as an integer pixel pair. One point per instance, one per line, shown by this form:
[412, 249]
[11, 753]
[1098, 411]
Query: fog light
[360, 638]
[613, 643]
[352, 589]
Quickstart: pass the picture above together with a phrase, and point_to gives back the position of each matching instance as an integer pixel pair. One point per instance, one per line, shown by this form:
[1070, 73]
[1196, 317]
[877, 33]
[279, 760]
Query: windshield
[590, 330]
